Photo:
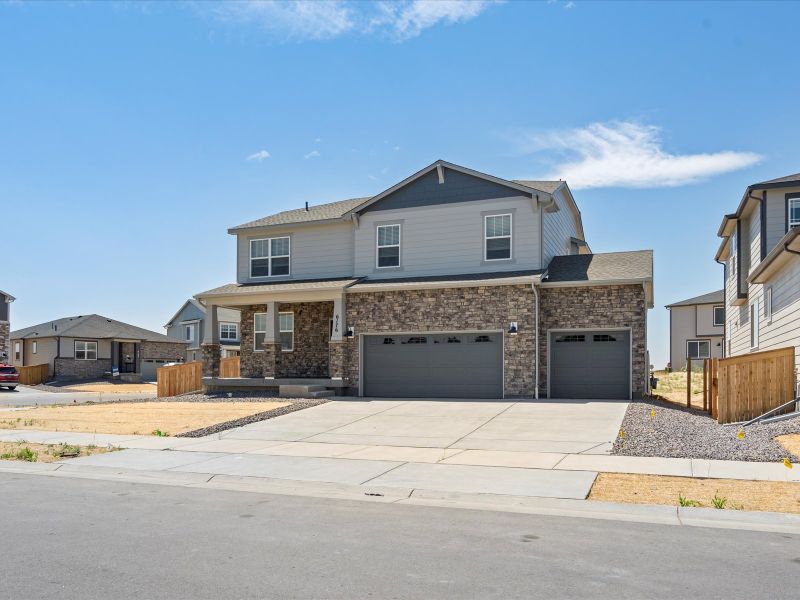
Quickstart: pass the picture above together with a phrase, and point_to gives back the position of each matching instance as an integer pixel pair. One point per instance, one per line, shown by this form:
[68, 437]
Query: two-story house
[188, 326]
[451, 283]
[5, 326]
[760, 251]
[696, 328]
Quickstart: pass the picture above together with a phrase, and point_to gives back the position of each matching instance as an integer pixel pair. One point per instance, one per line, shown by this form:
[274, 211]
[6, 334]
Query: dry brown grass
[672, 387]
[45, 453]
[791, 442]
[127, 418]
[770, 496]
[115, 388]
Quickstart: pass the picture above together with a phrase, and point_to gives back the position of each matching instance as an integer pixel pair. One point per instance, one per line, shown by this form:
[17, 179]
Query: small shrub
[685, 502]
[26, 454]
[159, 433]
[718, 501]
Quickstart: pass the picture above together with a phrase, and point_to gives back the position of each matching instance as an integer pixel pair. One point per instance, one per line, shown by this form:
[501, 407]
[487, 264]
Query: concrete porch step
[304, 391]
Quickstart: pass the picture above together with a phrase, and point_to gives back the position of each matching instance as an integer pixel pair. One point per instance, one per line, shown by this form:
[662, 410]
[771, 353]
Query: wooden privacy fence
[179, 379]
[229, 367]
[34, 375]
[741, 388]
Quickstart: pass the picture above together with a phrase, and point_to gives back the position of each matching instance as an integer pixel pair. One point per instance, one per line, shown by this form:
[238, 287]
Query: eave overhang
[786, 250]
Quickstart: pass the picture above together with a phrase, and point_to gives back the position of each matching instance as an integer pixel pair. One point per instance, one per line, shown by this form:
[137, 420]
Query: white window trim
[755, 325]
[768, 305]
[269, 256]
[398, 245]
[229, 339]
[791, 222]
[35, 347]
[17, 351]
[281, 330]
[190, 327]
[698, 342]
[714, 315]
[255, 331]
[510, 237]
[87, 342]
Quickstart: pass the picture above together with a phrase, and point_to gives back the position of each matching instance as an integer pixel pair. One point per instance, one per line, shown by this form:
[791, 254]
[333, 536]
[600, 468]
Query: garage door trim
[361, 337]
[586, 330]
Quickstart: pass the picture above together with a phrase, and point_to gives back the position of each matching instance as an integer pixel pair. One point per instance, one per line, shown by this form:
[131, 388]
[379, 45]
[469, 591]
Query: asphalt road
[73, 538]
[25, 396]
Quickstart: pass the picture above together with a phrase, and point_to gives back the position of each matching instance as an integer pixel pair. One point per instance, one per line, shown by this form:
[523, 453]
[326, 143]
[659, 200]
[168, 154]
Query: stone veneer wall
[592, 307]
[5, 341]
[82, 369]
[310, 357]
[474, 308]
[163, 350]
[210, 357]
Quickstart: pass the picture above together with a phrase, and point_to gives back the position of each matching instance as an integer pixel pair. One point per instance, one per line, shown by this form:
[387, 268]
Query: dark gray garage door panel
[590, 364]
[452, 365]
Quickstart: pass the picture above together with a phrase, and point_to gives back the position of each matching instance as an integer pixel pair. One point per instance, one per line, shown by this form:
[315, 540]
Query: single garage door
[149, 367]
[421, 365]
[590, 364]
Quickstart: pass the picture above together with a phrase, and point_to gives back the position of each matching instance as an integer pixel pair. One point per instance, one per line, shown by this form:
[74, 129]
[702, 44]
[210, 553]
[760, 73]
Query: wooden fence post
[706, 362]
[688, 383]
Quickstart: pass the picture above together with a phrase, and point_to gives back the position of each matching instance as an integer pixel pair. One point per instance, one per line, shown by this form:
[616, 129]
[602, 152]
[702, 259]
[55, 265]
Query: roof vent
[306, 206]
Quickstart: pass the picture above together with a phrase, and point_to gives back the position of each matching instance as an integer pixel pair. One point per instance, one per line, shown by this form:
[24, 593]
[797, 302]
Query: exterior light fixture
[351, 332]
[512, 328]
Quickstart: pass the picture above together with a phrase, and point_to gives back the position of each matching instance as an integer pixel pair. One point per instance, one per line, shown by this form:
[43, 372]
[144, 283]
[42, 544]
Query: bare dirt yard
[137, 418]
[770, 496]
[45, 453]
[672, 387]
[113, 388]
[791, 442]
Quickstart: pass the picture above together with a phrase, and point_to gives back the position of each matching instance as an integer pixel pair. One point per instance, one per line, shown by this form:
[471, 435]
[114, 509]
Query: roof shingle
[92, 327]
[321, 212]
[717, 297]
[609, 266]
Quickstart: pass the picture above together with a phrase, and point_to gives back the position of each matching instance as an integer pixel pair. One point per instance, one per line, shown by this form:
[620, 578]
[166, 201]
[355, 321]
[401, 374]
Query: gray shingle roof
[92, 327]
[717, 297]
[321, 212]
[542, 186]
[609, 266]
[231, 289]
[786, 179]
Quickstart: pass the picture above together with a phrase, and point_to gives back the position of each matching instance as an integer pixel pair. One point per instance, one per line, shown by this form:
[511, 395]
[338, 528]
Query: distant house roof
[717, 297]
[601, 268]
[92, 327]
[193, 302]
[8, 296]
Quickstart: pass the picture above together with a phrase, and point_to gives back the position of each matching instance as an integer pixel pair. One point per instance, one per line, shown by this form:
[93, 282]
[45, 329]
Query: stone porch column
[336, 368]
[210, 347]
[272, 344]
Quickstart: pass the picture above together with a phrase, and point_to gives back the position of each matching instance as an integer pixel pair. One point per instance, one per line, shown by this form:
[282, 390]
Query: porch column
[272, 345]
[210, 346]
[337, 346]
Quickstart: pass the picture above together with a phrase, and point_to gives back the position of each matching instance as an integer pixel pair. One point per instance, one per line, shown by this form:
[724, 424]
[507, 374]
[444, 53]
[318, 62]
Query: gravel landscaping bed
[676, 432]
[295, 404]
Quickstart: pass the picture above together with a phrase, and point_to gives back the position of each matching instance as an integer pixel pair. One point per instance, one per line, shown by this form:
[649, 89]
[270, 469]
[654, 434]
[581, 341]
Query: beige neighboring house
[760, 251]
[696, 328]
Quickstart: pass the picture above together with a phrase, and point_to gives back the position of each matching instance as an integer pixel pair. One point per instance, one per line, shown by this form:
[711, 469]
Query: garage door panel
[448, 365]
[592, 364]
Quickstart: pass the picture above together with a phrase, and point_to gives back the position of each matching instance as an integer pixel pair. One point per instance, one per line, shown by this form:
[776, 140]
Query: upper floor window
[719, 316]
[188, 332]
[269, 257]
[229, 332]
[497, 236]
[793, 212]
[85, 350]
[754, 325]
[388, 240]
[768, 305]
[35, 347]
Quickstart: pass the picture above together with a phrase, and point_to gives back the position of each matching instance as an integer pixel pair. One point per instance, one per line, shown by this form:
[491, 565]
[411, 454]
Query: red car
[8, 377]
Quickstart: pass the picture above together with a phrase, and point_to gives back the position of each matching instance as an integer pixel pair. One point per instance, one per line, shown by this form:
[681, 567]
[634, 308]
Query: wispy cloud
[317, 20]
[259, 156]
[627, 154]
[312, 154]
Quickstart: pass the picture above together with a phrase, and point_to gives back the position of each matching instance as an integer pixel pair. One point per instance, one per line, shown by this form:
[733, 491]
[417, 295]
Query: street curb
[587, 509]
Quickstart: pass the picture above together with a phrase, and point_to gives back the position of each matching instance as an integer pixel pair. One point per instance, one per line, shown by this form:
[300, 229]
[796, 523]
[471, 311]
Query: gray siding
[5, 308]
[449, 239]
[189, 313]
[695, 322]
[457, 187]
[317, 252]
[559, 227]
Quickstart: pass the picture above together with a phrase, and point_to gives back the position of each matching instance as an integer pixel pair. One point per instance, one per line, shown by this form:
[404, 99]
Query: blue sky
[133, 134]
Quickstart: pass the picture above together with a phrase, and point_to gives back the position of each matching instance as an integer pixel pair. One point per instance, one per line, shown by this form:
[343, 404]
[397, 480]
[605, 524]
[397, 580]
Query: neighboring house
[188, 325]
[696, 328]
[761, 253]
[451, 283]
[93, 346]
[5, 326]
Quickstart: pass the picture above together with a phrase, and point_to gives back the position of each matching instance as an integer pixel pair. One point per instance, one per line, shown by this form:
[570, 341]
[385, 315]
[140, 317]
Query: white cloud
[312, 154]
[321, 20]
[628, 154]
[317, 140]
[396, 148]
[259, 156]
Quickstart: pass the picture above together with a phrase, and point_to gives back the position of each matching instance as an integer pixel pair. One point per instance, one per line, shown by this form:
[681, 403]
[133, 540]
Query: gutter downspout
[536, 342]
[58, 354]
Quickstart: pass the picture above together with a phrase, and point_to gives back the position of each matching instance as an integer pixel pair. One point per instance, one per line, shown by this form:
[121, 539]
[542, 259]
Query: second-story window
[388, 237]
[497, 240]
[269, 257]
[719, 316]
[793, 210]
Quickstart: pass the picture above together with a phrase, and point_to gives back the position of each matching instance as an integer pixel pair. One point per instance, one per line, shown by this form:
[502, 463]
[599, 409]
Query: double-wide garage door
[590, 364]
[423, 365]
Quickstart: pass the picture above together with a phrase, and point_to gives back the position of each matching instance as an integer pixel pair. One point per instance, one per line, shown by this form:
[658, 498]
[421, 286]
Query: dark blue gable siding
[457, 187]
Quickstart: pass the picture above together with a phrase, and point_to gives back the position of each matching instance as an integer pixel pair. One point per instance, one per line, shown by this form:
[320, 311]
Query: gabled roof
[779, 182]
[91, 327]
[320, 212]
[717, 297]
[795, 178]
[194, 302]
